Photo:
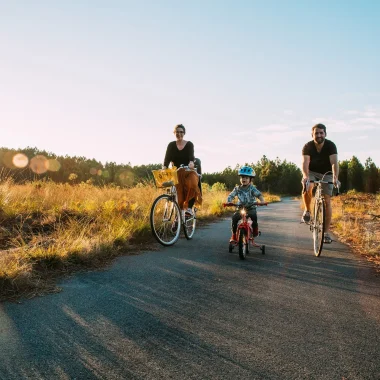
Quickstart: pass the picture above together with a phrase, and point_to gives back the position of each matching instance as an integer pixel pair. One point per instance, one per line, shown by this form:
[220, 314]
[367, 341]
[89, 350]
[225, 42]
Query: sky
[109, 80]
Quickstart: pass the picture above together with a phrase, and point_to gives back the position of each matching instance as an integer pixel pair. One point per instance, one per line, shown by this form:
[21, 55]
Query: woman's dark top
[319, 162]
[179, 157]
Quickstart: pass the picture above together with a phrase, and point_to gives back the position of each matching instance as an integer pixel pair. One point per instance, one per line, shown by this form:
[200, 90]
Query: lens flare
[8, 160]
[53, 165]
[93, 171]
[126, 178]
[20, 160]
[39, 164]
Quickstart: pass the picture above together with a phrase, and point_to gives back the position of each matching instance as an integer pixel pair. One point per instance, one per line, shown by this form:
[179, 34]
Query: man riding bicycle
[319, 156]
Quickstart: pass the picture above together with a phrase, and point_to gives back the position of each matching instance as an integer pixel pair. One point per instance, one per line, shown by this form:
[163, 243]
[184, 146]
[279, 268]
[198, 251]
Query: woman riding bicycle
[246, 194]
[181, 152]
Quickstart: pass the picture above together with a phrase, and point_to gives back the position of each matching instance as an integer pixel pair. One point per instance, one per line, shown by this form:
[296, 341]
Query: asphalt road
[195, 311]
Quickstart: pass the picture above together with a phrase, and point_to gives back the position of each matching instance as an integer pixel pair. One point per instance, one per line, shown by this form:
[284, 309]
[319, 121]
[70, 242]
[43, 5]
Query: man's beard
[320, 140]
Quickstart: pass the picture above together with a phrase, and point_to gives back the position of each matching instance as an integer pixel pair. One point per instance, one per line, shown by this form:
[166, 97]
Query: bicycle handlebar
[319, 181]
[253, 204]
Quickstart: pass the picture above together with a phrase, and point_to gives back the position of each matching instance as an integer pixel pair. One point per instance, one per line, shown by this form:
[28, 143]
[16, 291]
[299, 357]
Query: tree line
[274, 176]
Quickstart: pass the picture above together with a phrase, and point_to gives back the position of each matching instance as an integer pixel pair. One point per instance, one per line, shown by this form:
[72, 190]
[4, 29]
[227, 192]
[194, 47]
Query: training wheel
[262, 249]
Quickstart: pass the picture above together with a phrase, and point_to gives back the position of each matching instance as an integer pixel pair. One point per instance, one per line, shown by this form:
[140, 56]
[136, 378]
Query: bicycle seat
[168, 184]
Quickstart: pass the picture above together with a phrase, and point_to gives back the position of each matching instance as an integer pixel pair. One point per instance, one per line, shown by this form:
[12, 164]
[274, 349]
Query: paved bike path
[196, 311]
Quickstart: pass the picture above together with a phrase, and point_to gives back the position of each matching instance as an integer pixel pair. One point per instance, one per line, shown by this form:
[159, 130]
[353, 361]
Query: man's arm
[335, 168]
[305, 167]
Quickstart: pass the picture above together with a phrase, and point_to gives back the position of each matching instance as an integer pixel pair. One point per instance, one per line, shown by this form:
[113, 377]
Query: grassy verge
[48, 229]
[356, 221]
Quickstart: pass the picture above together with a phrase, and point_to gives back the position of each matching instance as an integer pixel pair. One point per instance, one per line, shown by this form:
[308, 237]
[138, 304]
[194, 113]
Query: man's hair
[179, 126]
[319, 126]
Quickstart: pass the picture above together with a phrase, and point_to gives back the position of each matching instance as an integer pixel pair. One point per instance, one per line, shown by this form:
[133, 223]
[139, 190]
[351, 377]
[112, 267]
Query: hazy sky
[110, 79]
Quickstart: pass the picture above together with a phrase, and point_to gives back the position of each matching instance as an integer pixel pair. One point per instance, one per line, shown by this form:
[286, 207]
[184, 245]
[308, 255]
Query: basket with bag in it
[165, 177]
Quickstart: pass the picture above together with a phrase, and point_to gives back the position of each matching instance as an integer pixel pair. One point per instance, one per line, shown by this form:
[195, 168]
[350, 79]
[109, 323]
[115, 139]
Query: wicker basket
[165, 177]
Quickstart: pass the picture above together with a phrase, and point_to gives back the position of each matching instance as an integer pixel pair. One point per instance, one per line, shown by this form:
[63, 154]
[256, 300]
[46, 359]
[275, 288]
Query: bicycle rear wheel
[165, 220]
[243, 244]
[319, 226]
[189, 224]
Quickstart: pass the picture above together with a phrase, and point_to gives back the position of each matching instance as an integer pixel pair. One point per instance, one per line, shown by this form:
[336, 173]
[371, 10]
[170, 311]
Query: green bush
[217, 186]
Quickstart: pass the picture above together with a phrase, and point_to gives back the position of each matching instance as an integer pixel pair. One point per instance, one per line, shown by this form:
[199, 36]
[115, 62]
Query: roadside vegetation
[356, 221]
[49, 229]
[63, 214]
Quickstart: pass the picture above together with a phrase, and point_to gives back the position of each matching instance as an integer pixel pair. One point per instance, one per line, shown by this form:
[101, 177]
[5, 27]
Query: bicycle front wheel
[165, 220]
[243, 244]
[189, 225]
[319, 226]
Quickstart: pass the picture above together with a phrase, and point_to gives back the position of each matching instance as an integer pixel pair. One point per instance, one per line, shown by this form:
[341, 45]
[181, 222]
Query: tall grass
[48, 228]
[356, 220]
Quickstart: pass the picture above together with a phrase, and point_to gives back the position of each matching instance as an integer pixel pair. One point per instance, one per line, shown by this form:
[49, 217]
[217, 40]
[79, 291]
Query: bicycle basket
[165, 177]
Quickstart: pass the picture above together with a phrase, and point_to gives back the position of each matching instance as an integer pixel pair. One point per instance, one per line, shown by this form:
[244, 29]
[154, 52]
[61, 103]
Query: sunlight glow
[39, 164]
[8, 160]
[53, 165]
[126, 178]
[20, 160]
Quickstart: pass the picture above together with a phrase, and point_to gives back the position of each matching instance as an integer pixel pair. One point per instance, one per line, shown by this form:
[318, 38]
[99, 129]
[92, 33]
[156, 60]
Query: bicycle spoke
[189, 226]
[165, 220]
[318, 226]
[243, 244]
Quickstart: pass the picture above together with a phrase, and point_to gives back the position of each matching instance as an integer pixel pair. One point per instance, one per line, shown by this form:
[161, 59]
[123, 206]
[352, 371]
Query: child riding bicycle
[246, 194]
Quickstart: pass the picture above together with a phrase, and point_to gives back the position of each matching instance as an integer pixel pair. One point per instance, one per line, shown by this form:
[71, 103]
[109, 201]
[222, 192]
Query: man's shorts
[327, 188]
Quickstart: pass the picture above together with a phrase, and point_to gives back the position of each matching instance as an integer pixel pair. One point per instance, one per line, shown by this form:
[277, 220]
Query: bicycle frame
[318, 220]
[244, 232]
[167, 218]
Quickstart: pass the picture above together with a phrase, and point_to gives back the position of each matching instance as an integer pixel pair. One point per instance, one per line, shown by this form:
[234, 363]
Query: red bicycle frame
[244, 232]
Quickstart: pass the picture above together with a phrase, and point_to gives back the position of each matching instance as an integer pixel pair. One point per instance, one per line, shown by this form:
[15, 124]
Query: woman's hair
[179, 126]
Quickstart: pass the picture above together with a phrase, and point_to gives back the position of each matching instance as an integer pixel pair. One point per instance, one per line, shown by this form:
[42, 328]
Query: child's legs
[235, 218]
[253, 215]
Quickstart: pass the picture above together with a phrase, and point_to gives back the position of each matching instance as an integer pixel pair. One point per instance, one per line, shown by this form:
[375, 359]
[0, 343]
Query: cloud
[273, 127]
[366, 120]
[243, 133]
[369, 114]
[363, 137]
[342, 126]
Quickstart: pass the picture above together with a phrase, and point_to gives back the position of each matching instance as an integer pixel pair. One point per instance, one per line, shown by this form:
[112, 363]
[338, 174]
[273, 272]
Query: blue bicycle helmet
[247, 171]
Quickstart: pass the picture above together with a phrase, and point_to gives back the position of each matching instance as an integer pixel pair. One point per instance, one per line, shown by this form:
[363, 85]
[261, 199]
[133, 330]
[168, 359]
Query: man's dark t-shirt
[319, 162]
[179, 157]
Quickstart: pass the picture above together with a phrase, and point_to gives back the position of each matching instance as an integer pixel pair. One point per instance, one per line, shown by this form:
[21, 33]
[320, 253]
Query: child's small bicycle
[244, 232]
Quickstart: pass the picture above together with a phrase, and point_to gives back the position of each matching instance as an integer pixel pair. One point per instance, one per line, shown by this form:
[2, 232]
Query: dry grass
[356, 220]
[49, 229]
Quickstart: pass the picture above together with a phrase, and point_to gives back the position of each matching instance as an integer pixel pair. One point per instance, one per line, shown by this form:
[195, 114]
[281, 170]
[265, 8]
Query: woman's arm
[168, 156]
[191, 155]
